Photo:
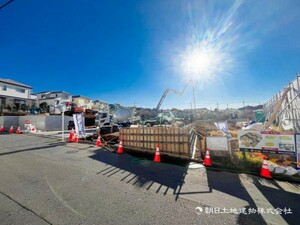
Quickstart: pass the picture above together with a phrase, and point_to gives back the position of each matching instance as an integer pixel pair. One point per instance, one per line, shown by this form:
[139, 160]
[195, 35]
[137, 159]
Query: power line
[5, 4]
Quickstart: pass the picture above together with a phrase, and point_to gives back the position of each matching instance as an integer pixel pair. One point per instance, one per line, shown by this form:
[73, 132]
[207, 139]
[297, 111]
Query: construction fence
[285, 106]
[173, 141]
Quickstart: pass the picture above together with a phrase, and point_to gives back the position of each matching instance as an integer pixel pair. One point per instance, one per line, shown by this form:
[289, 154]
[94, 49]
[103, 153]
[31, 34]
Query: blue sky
[130, 51]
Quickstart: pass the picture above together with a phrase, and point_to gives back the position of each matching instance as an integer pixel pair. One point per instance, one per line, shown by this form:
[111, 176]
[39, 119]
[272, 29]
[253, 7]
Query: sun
[201, 62]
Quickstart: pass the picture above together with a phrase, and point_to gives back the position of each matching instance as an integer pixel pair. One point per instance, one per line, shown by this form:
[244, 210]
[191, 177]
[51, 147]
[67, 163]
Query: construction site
[232, 142]
[149, 112]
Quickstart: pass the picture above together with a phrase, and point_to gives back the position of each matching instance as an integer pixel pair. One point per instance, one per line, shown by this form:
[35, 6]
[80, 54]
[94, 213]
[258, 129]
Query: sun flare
[201, 62]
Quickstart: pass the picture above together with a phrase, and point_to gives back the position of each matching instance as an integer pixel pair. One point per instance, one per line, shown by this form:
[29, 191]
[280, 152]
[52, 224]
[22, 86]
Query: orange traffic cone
[71, 136]
[18, 131]
[11, 130]
[207, 161]
[265, 172]
[120, 148]
[75, 138]
[1, 129]
[98, 142]
[157, 155]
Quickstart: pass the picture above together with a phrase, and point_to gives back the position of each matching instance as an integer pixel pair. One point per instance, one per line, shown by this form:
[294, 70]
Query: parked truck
[117, 116]
[166, 118]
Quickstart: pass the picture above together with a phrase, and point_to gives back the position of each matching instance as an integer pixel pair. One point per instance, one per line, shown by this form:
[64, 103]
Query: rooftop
[8, 81]
[50, 92]
[80, 96]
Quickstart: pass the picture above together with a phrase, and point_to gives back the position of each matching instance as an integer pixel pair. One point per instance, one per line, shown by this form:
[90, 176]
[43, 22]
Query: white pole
[62, 124]
[194, 147]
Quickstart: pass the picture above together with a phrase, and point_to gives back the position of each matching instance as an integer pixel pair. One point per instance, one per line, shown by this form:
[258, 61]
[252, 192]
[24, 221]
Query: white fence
[288, 116]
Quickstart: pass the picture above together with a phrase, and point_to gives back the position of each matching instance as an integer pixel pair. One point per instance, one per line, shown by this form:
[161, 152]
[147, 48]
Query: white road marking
[286, 186]
[62, 200]
[261, 201]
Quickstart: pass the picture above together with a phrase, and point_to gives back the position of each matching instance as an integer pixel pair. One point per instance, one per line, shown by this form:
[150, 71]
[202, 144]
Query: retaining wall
[43, 123]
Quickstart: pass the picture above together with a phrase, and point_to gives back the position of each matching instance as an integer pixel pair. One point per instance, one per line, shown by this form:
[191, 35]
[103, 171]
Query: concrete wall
[43, 123]
[8, 121]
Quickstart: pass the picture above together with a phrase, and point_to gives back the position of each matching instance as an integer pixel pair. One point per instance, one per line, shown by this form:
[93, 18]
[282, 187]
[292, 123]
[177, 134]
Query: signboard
[27, 122]
[217, 143]
[267, 141]
[223, 126]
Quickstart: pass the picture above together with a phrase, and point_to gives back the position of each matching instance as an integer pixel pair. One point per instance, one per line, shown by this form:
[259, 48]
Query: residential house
[100, 106]
[15, 96]
[82, 101]
[50, 97]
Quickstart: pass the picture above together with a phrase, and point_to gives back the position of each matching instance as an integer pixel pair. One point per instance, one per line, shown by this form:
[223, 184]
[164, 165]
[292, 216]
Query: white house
[50, 97]
[15, 96]
[100, 105]
[82, 101]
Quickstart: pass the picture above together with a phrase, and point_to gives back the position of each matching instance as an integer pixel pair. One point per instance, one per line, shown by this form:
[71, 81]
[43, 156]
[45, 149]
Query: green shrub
[249, 163]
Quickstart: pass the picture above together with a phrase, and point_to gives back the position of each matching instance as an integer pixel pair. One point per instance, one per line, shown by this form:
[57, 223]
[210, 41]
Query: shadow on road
[230, 184]
[281, 199]
[143, 172]
[31, 148]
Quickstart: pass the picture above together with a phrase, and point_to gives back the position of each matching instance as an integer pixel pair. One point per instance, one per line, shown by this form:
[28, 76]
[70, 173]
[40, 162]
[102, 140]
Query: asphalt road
[44, 181]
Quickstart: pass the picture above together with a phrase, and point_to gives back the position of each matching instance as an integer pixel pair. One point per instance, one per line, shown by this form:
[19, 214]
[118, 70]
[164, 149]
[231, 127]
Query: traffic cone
[71, 136]
[120, 148]
[98, 142]
[11, 130]
[265, 172]
[157, 155]
[207, 161]
[1, 129]
[18, 131]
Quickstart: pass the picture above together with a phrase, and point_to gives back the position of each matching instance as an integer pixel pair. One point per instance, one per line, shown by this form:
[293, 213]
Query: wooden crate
[172, 141]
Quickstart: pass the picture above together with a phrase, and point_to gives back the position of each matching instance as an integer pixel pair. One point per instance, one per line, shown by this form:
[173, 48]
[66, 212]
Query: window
[4, 88]
[43, 95]
[20, 90]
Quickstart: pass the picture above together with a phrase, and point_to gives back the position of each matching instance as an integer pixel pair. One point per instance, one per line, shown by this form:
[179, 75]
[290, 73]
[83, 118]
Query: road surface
[45, 181]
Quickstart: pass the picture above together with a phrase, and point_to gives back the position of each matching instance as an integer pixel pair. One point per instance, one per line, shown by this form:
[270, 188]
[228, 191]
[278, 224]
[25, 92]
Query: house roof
[80, 96]
[51, 92]
[8, 81]
[99, 101]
